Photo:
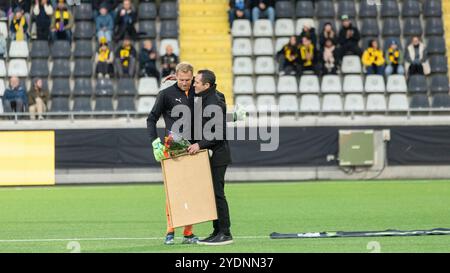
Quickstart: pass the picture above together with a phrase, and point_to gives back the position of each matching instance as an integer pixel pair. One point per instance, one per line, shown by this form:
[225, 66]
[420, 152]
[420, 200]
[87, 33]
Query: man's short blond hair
[184, 67]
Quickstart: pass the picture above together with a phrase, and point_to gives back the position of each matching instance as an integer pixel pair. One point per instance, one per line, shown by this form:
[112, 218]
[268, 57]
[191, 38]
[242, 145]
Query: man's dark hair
[208, 77]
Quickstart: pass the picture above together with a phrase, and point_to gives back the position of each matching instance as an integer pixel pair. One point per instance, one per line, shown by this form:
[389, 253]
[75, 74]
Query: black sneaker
[219, 240]
[209, 238]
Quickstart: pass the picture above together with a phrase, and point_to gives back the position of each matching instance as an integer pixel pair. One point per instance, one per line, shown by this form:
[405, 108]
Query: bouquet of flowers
[174, 145]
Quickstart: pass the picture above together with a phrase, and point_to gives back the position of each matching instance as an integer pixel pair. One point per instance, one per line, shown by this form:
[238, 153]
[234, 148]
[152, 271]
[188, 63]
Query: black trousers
[222, 224]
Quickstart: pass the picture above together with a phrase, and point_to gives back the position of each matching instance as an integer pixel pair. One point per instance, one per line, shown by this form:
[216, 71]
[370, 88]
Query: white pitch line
[108, 239]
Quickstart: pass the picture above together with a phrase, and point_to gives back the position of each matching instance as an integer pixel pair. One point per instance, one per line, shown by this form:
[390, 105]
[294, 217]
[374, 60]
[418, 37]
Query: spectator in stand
[3, 48]
[416, 58]
[125, 59]
[104, 23]
[62, 23]
[329, 58]
[104, 60]
[169, 62]
[42, 15]
[25, 5]
[19, 27]
[239, 9]
[111, 5]
[263, 8]
[308, 56]
[38, 99]
[289, 58]
[310, 32]
[15, 97]
[348, 38]
[125, 18]
[394, 60]
[373, 59]
[328, 33]
[147, 60]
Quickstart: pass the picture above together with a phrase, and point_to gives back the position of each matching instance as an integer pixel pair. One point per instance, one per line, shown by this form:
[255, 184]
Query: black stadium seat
[432, 8]
[84, 12]
[83, 49]
[83, 68]
[40, 49]
[369, 28]
[436, 45]
[126, 86]
[438, 64]
[84, 30]
[82, 104]
[83, 87]
[60, 104]
[367, 11]
[103, 104]
[61, 87]
[417, 84]
[434, 26]
[412, 27]
[389, 8]
[169, 29]
[168, 10]
[147, 11]
[61, 68]
[346, 7]
[439, 84]
[39, 68]
[411, 8]
[391, 27]
[325, 9]
[61, 49]
[126, 103]
[441, 101]
[147, 29]
[104, 87]
[419, 101]
[304, 9]
[284, 9]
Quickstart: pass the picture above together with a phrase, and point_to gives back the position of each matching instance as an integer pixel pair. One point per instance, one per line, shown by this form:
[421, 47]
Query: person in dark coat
[348, 38]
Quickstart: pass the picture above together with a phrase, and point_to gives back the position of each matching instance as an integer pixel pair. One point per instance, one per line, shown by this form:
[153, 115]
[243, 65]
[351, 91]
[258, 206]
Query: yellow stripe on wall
[27, 158]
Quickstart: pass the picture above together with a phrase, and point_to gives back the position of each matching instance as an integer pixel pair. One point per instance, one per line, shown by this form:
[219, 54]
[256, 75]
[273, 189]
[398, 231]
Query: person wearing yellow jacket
[373, 59]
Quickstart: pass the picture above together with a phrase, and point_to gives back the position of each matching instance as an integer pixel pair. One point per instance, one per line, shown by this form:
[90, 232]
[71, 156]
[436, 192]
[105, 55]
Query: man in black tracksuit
[206, 95]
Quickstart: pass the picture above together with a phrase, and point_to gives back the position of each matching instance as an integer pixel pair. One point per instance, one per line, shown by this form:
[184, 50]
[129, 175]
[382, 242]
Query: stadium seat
[396, 84]
[310, 103]
[39, 68]
[419, 101]
[4, 28]
[376, 103]
[434, 27]
[353, 84]
[243, 85]
[412, 27]
[83, 87]
[126, 103]
[266, 103]
[148, 86]
[263, 47]
[61, 68]
[83, 68]
[173, 43]
[367, 11]
[145, 104]
[61, 87]
[84, 30]
[126, 87]
[389, 8]
[60, 49]
[439, 84]
[18, 68]
[83, 12]
[147, 29]
[2, 87]
[288, 103]
[374, 84]
[280, 42]
[241, 28]
[304, 9]
[82, 104]
[354, 103]
[103, 104]
[262, 28]
[284, 27]
[264, 65]
[331, 84]
[1, 106]
[325, 9]
[83, 49]
[417, 84]
[309, 84]
[438, 64]
[169, 29]
[441, 101]
[287, 84]
[18, 49]
[246, 102]
[300, 22]
[168, 10]
[332, 103]
[60, 104]
[104, 87]
[432, 8]
[436, 45]
[346, 7]
[398, 102]
[391, 27]
[40, 49]
[351, 64]
[2, 68]
[147, 11]
[242, 66]
[411, 8]
[265, 85]
[369, 28]
[284, 9]
[242, 47]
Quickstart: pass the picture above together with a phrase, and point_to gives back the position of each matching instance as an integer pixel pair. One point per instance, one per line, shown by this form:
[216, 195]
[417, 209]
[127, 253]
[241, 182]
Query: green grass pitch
[130, 218]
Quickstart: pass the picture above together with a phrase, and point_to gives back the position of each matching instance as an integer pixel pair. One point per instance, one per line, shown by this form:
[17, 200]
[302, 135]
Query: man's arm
[154, 116]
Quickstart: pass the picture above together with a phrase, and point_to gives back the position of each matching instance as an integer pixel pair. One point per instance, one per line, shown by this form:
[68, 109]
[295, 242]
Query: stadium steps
[446, 17]
[205, 40]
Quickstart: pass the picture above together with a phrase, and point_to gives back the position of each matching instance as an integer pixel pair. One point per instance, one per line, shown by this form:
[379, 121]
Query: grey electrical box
[356, 147]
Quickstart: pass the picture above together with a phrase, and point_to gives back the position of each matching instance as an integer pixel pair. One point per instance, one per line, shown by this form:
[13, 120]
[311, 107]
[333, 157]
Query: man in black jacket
[348, 38]
[209, 100]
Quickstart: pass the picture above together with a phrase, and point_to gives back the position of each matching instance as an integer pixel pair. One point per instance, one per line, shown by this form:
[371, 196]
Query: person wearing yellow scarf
[308, 58]
[19, 27]
[288, 57]
[126, 59]
[104, 60]
[394, 60]
[373, 59]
